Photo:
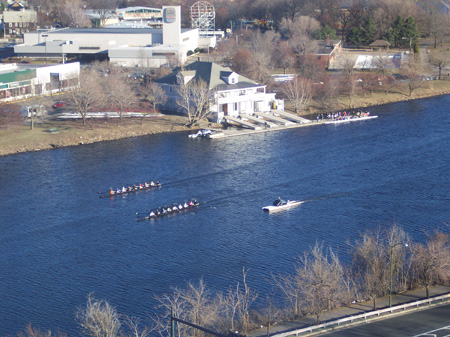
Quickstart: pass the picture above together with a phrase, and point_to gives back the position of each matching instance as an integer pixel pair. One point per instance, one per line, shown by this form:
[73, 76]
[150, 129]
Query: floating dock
[270, 120]
[241, 122]
[276, 119]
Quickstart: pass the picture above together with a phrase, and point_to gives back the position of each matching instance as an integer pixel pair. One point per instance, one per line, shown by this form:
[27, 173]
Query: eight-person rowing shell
[167, 209]
[133, 188]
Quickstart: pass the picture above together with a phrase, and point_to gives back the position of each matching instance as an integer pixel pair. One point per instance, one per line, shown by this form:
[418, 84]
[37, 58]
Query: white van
[37, 110]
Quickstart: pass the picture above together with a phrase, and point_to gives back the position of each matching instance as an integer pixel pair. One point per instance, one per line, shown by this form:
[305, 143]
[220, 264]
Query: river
[59, 241]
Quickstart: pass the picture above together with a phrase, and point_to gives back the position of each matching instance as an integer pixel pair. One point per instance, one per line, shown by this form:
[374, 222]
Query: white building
[19, 82]
[232, 94]
[151, 47]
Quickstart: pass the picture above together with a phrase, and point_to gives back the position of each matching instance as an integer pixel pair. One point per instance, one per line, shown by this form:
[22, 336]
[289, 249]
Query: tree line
[383, 261]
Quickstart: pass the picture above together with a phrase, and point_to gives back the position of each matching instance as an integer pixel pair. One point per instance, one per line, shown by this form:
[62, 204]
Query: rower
[175, 208]
[169, 210]
[146, 185]
[152, 214]
[130, 189]
[185, 205]
[180, 206]
[118, 191]
[111, 192]
[152, 183]
[124, 189]
[191, 203]
[141, 186]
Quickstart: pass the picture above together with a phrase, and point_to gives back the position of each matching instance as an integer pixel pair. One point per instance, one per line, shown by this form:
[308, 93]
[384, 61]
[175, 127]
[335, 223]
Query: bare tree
[291, 291]
[369, 265]
[248, 297]
[71, 13]
[87, 95]
[34, 332]
[136, 329]
[153, 94]
[320, 276]
[263, 49]
[201, 307]
[105, 9]
[120, 95]
[99, 319]
[431, 262]
[414, 80]
[232, 303]
[439, 60]
[285, 57]
[194, 99]
[299, 92]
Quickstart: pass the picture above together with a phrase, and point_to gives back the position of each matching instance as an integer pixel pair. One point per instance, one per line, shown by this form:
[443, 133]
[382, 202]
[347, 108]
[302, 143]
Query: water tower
[203, 17]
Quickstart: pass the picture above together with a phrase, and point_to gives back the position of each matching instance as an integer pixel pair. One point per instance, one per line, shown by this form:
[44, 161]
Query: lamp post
[390, 262]
[45, 35]
[410, 42]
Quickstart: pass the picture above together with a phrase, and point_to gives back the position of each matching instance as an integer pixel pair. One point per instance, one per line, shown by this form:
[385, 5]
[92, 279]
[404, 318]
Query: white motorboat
[279, 205]
[201, 134]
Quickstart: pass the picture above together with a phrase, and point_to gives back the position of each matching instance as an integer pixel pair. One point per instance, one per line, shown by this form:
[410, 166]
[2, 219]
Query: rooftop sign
[170, 15]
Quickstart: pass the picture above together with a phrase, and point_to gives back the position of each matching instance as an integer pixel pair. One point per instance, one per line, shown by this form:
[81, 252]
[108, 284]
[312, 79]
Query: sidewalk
[351, 310]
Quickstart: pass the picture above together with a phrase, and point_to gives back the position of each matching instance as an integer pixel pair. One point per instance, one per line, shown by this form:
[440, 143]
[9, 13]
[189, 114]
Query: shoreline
[22, 139]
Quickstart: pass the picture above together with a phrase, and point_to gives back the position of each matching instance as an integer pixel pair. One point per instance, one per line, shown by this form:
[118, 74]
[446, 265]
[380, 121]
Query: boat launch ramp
[269, 121]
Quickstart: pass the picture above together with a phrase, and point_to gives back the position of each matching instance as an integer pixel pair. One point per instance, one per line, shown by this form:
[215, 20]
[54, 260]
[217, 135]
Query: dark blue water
[59, 242]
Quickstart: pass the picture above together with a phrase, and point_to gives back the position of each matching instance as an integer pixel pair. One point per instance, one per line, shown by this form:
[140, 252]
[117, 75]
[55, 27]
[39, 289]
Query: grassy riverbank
[71, 132]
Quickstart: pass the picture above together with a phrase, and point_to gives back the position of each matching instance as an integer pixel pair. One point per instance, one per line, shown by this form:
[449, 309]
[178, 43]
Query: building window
[20, 25]
[171, 101]
[10, 24]
[233, 80]
[235, 106]
[170, 89]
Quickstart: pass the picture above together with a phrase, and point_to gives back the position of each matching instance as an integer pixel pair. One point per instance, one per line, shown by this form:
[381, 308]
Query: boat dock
[242, 122]
[271, 121]
[276, 119]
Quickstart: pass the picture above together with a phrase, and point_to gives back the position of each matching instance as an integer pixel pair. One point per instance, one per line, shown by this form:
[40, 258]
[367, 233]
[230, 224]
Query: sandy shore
[52, 133]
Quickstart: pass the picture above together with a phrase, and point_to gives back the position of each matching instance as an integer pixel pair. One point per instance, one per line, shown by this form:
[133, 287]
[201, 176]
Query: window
[10, 24]
[235, 106]
[171, 101]
[170, 89]
[233, 80]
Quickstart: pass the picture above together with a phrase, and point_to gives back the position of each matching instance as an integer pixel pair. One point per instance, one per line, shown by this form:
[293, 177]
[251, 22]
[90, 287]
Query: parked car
[36, 110]
[59, 104]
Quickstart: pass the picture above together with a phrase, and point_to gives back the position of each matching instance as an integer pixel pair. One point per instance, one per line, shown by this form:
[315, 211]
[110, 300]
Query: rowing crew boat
[163, 211]
[134, 189]
[279, 206]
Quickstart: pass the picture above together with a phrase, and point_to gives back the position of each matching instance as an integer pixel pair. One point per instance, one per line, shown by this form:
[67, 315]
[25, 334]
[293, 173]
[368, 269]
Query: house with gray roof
[231, 94]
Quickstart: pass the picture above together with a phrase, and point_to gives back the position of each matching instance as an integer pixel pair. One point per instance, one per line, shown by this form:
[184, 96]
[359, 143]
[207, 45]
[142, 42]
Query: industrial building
[152, 47]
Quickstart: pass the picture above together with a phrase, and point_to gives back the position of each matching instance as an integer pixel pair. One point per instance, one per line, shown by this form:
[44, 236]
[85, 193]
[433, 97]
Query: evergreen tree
[410, 32]
[369, 31]
[324, 31]
[356, 36]
[396, 32]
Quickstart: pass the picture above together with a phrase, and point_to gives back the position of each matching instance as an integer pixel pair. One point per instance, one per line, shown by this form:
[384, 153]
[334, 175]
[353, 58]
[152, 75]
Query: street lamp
[390, 262]
[410, 41]
[45, 35]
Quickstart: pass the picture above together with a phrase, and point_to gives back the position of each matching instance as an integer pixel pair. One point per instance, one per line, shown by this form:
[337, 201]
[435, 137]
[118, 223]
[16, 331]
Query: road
[431, 322]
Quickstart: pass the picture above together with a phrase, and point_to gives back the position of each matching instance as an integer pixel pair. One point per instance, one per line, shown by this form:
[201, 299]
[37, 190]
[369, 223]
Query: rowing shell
[168, 213]
[128, 192]
[287, 205]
